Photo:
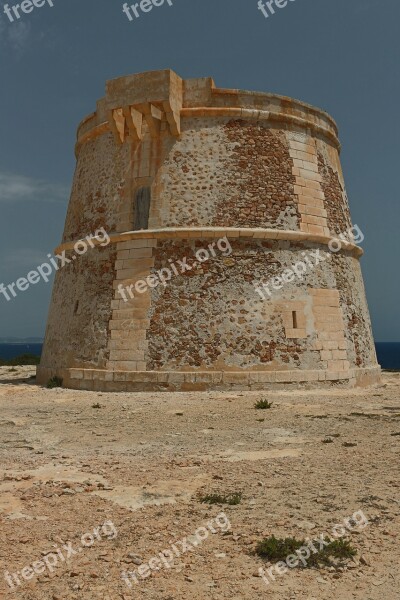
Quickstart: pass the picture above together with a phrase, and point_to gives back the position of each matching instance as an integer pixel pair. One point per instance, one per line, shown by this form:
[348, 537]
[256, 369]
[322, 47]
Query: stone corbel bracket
[147, 97]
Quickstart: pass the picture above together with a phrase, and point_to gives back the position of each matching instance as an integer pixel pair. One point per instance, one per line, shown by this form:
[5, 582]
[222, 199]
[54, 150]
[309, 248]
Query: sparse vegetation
[263, 404]
[97, 405]
[277, 549]
[22, 360]
[55, 382]
[337, 549]
[230, 499]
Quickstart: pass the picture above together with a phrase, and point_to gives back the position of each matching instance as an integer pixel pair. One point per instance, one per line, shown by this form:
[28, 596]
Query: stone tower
[220, 272]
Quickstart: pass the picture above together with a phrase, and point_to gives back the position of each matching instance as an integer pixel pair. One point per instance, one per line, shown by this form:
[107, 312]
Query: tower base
[188, 381]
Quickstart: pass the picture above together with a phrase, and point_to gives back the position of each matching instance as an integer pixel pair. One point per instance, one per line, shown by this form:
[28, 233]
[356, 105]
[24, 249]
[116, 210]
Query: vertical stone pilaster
[129, 322]
[308, 188]
[329, 327]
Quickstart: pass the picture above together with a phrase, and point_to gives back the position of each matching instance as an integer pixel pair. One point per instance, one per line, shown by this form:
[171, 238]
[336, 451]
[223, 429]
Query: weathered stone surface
[262, 171]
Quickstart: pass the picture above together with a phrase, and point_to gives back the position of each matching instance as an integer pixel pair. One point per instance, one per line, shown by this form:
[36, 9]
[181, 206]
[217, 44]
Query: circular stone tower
[215, 268]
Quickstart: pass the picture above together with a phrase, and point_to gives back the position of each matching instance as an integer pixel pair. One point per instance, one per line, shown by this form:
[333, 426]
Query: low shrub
[55, 382]
[278, 549]
[263, 404]
[230, 499]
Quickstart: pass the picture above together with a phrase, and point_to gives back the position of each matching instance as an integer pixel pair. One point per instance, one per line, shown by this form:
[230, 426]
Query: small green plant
[12, 370]
[230, 499]
[336, 549]
[55, 382]
[278, 549]
[263, 404]
[327, 440]
[97, 405]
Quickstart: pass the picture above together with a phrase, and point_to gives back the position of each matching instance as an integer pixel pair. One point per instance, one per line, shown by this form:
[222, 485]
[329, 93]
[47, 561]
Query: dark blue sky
[341, 55]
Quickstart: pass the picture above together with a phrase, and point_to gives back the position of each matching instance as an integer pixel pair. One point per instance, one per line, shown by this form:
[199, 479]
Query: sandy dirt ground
[93, 485]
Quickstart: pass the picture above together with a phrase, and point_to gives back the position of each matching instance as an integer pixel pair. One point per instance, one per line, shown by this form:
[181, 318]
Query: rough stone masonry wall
[78, 323]
[355, 310]
[98, 192]
[259, 172]
[212, 318]
[191, 179]
[220, 172]
[335, 201]
[232, 174]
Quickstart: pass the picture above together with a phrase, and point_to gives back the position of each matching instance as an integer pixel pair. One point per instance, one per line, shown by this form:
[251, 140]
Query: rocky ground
[108, 481]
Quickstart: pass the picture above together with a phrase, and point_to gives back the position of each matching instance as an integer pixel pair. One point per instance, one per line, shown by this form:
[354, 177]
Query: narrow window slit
[142, 208]
[294, 317]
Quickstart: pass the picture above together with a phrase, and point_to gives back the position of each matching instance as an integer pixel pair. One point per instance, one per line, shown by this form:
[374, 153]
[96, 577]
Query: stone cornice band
[217, 232]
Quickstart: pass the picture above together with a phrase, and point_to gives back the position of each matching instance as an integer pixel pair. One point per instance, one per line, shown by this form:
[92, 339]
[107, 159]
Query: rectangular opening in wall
[142, 208]
[294, 319]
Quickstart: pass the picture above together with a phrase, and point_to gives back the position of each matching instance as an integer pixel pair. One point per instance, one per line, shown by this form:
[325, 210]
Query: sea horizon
[388, 352]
